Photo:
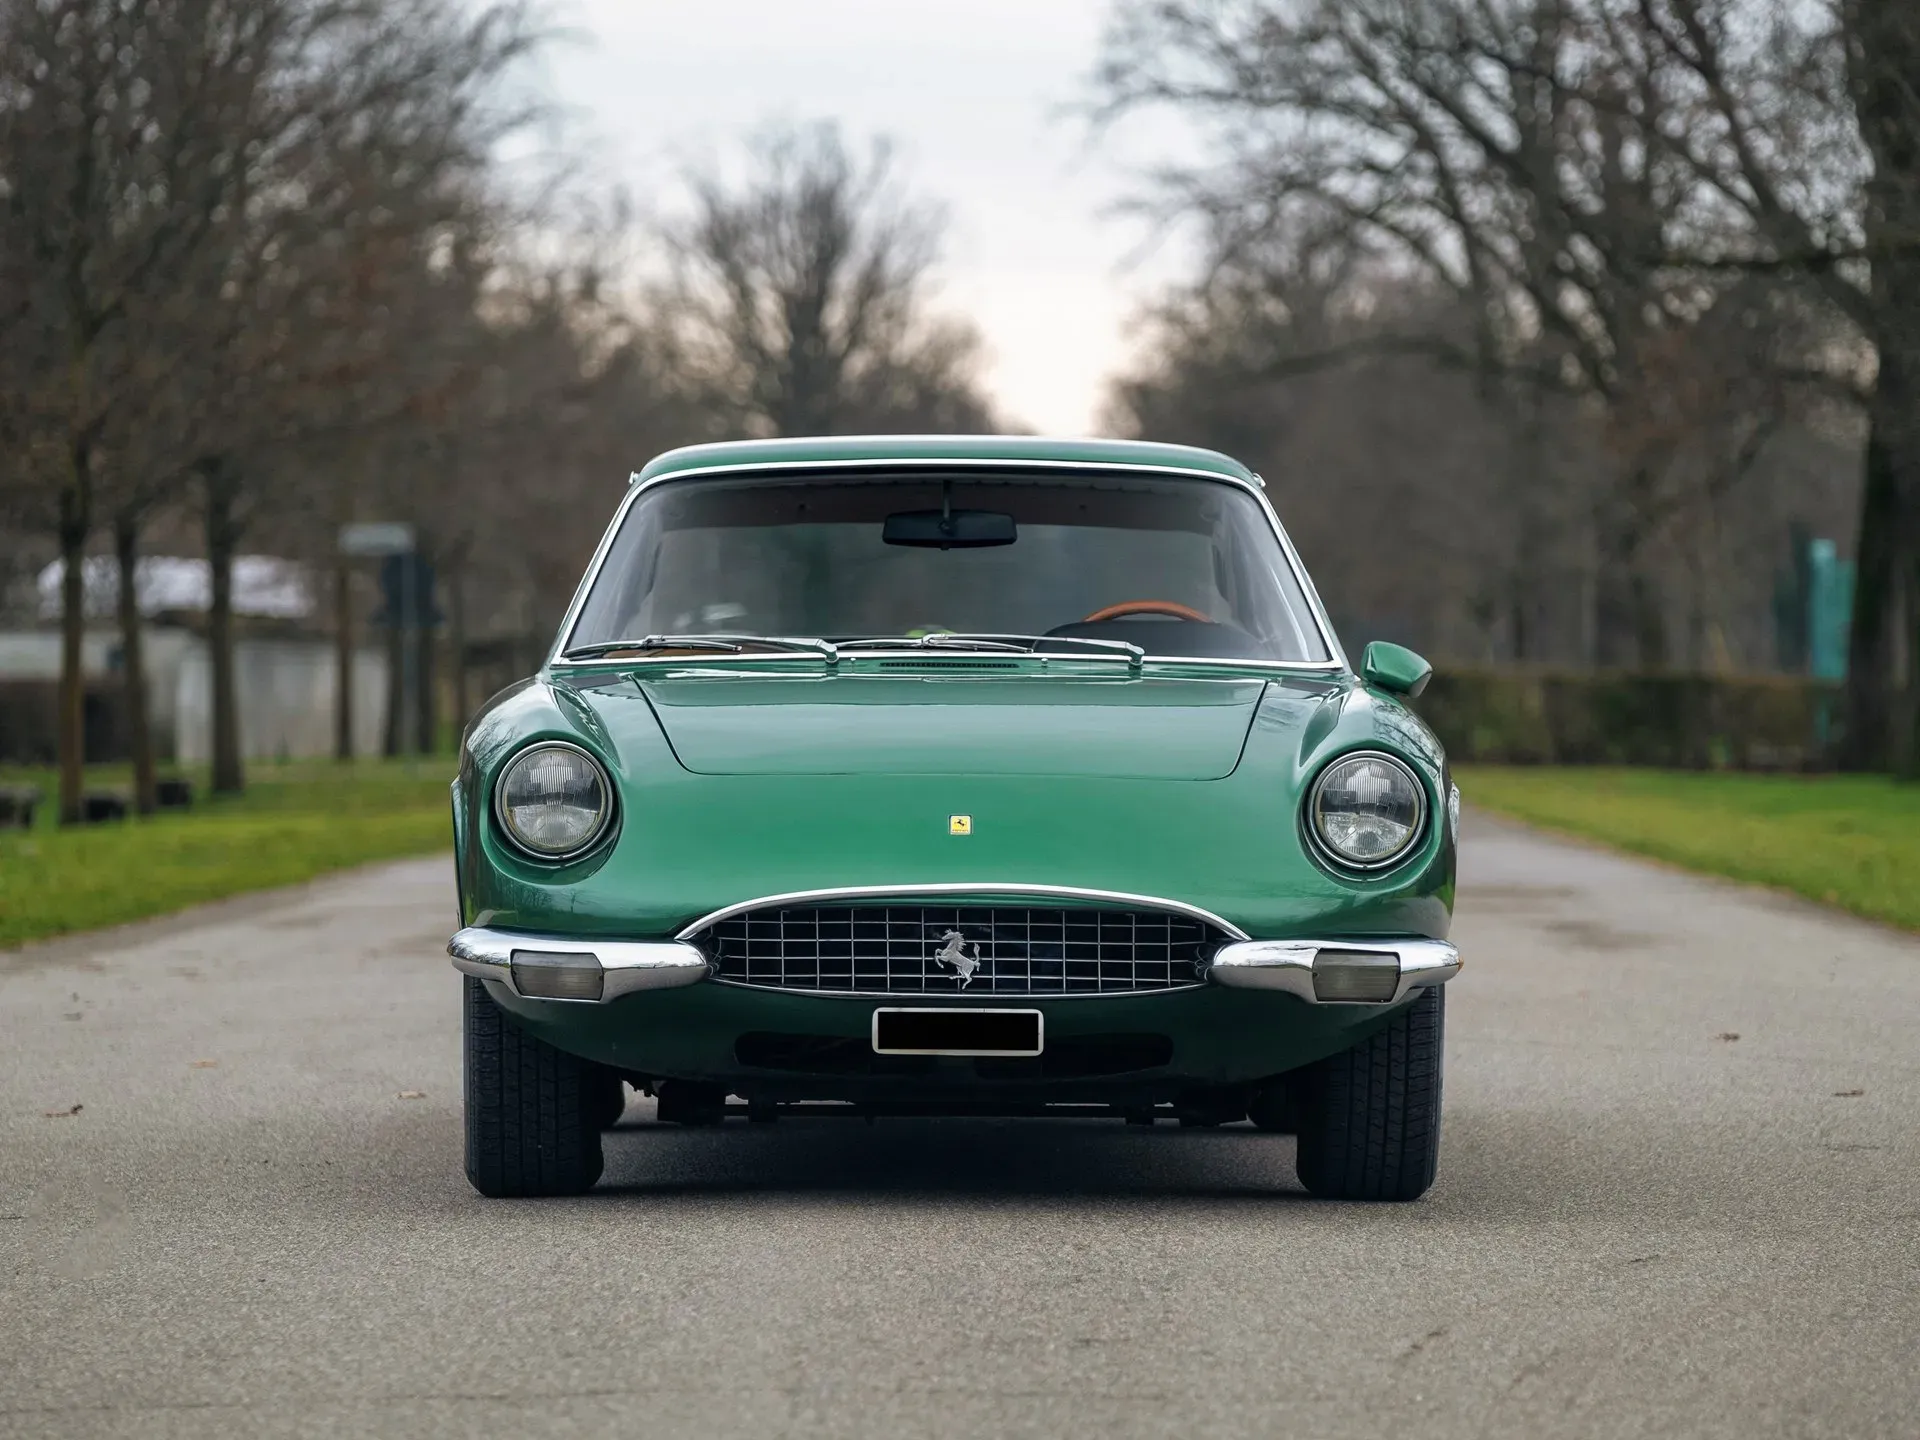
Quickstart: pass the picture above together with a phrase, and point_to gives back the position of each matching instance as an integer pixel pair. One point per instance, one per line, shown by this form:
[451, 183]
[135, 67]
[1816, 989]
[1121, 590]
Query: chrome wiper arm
[1032, 643]
[1006, 643]
[727, 644]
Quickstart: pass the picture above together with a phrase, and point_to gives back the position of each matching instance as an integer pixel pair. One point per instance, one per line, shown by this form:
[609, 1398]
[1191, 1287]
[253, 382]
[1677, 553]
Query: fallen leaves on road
[1848, 1094]
[63, 1114]
[203, 1064]
[413, 1094]
[1728, 1035]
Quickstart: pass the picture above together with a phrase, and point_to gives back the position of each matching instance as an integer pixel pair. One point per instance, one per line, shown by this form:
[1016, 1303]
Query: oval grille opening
[961, 950]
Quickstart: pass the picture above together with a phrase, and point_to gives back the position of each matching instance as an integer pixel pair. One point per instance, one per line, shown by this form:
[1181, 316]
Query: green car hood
[964, 723]
[1056, 774]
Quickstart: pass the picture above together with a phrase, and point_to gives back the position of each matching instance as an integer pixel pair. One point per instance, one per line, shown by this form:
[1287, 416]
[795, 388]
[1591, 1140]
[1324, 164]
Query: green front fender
[685, 844]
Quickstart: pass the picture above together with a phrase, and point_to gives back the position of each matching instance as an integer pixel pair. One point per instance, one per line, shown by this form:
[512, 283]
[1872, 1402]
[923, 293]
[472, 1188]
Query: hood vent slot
[948, 664]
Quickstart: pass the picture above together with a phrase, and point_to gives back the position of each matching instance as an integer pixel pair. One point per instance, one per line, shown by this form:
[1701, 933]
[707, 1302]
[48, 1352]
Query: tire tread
[531, 1109]
[1370, 1117]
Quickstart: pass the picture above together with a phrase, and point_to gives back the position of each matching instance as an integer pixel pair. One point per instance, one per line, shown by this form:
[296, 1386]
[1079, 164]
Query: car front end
[955, 871]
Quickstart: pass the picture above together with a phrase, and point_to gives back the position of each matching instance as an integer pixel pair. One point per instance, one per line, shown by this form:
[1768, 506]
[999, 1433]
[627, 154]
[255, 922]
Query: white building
[286, 684]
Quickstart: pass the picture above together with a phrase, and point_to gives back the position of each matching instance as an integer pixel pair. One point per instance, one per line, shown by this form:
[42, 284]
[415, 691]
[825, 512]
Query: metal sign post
[394, 540]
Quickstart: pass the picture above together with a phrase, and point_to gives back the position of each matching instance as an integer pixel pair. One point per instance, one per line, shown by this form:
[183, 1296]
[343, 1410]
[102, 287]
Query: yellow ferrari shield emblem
[960, 824]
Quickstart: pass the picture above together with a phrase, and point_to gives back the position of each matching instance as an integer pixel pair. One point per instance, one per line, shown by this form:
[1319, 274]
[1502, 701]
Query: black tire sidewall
[532, 1111]
[1370, 1116]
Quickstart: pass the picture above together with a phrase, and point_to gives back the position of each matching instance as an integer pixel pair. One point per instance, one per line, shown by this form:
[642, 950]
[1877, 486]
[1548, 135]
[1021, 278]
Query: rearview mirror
[949, 529]
[1394, 668]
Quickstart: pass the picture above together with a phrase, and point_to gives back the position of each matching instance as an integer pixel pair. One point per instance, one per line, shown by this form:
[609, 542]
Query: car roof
[826, 451]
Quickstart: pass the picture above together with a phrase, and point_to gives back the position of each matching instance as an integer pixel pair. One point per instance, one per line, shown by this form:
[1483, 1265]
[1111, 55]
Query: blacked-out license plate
[920, 1031]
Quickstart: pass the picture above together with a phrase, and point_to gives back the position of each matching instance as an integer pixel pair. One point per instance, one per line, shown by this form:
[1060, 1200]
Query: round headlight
[553, 800]
[1366, 810]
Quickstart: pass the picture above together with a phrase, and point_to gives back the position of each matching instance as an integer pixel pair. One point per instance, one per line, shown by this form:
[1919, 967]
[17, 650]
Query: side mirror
[1395, 669]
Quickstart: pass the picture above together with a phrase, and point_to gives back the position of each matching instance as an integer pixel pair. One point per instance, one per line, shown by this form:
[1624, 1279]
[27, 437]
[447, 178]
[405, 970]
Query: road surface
[254, 1220]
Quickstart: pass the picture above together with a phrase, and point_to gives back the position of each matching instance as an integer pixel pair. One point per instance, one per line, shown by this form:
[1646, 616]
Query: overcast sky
[972, 93]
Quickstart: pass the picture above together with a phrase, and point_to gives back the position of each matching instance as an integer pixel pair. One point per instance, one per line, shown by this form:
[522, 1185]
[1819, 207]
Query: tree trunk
[1630, 623]
[1649, 619]
[343, 658]
[1895, 420]
[1897, 402]
[223, 538]
[396, 726]
[133, 665]
[457, 642]
[1869, 692]
[427, 712]
[1883, 56]
[75, 521]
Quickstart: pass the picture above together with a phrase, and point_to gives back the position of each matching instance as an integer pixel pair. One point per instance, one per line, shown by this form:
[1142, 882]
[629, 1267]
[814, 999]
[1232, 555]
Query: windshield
[1186, 568]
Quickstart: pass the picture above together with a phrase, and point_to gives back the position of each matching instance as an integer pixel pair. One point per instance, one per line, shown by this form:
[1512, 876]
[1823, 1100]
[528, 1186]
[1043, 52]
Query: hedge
[1748, 722]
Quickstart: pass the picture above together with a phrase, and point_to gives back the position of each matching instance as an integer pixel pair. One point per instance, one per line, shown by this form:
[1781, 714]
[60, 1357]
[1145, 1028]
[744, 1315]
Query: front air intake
[914, 949]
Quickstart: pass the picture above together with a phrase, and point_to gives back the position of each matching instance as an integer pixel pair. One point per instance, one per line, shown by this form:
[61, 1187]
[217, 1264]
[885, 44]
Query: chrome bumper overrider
[1289, 965]
[625, 965]
[1394, 967]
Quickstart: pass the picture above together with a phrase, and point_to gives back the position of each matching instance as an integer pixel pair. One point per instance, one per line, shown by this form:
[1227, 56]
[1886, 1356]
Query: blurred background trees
[1557, 326]
[800, 297]
[1579, 305]
[263, 274]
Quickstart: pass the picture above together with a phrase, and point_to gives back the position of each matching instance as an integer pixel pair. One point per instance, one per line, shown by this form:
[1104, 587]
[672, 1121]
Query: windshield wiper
[1014, 644]
[724, 644]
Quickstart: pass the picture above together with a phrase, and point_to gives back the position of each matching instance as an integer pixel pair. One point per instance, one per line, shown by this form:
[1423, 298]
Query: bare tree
[802, 296]
[1883, 56]
[1525, 155]
[1603, 177]
[202, 201]
[90, 222]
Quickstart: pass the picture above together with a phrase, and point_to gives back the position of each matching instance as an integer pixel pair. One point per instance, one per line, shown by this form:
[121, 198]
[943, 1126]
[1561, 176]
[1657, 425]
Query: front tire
[1370, 1116]
[533, 1112]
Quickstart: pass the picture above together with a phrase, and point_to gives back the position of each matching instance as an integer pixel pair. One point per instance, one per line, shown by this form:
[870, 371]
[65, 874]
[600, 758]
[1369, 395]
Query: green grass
[1847, 840]
[295, 821]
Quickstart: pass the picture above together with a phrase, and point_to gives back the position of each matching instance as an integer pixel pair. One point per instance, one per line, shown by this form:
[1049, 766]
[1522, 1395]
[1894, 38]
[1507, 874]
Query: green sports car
[954, 776]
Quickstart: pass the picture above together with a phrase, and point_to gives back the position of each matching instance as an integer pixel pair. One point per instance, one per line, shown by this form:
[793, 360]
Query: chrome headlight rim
[602, 828]
[1323, 848]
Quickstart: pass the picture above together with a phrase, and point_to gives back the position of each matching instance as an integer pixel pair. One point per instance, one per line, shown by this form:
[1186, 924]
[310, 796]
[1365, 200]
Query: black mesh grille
[976, 950]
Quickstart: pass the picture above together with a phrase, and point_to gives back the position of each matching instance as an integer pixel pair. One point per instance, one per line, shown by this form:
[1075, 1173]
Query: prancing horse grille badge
[959, 952]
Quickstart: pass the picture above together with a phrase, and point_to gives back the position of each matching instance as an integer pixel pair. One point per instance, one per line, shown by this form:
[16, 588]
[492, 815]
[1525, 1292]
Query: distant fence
[1749, 722]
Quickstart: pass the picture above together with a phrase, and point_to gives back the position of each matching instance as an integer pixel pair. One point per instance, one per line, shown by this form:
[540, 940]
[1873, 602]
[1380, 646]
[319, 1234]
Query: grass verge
[1852, 841]
[295, 821]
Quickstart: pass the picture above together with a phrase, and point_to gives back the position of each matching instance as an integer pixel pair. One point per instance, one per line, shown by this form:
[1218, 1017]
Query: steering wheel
[1147, 607]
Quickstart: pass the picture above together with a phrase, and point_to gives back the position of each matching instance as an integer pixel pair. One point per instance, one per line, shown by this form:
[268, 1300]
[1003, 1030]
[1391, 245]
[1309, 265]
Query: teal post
[1829, 614]
[1829, 611]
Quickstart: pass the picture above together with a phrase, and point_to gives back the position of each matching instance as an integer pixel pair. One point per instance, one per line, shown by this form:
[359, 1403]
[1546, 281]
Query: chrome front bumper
[1396, 967]
[625, 965]
[1290, 965]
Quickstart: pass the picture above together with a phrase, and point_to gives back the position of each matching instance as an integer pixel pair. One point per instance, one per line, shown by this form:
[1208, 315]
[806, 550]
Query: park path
[256, 1223]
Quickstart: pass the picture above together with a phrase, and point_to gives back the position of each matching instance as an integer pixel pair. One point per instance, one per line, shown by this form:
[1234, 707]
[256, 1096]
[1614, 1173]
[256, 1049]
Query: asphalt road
[255, 1222]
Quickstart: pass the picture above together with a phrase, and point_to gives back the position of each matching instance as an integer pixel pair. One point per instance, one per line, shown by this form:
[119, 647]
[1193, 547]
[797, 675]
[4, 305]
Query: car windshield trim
[1321, 669]
[1316, 611]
